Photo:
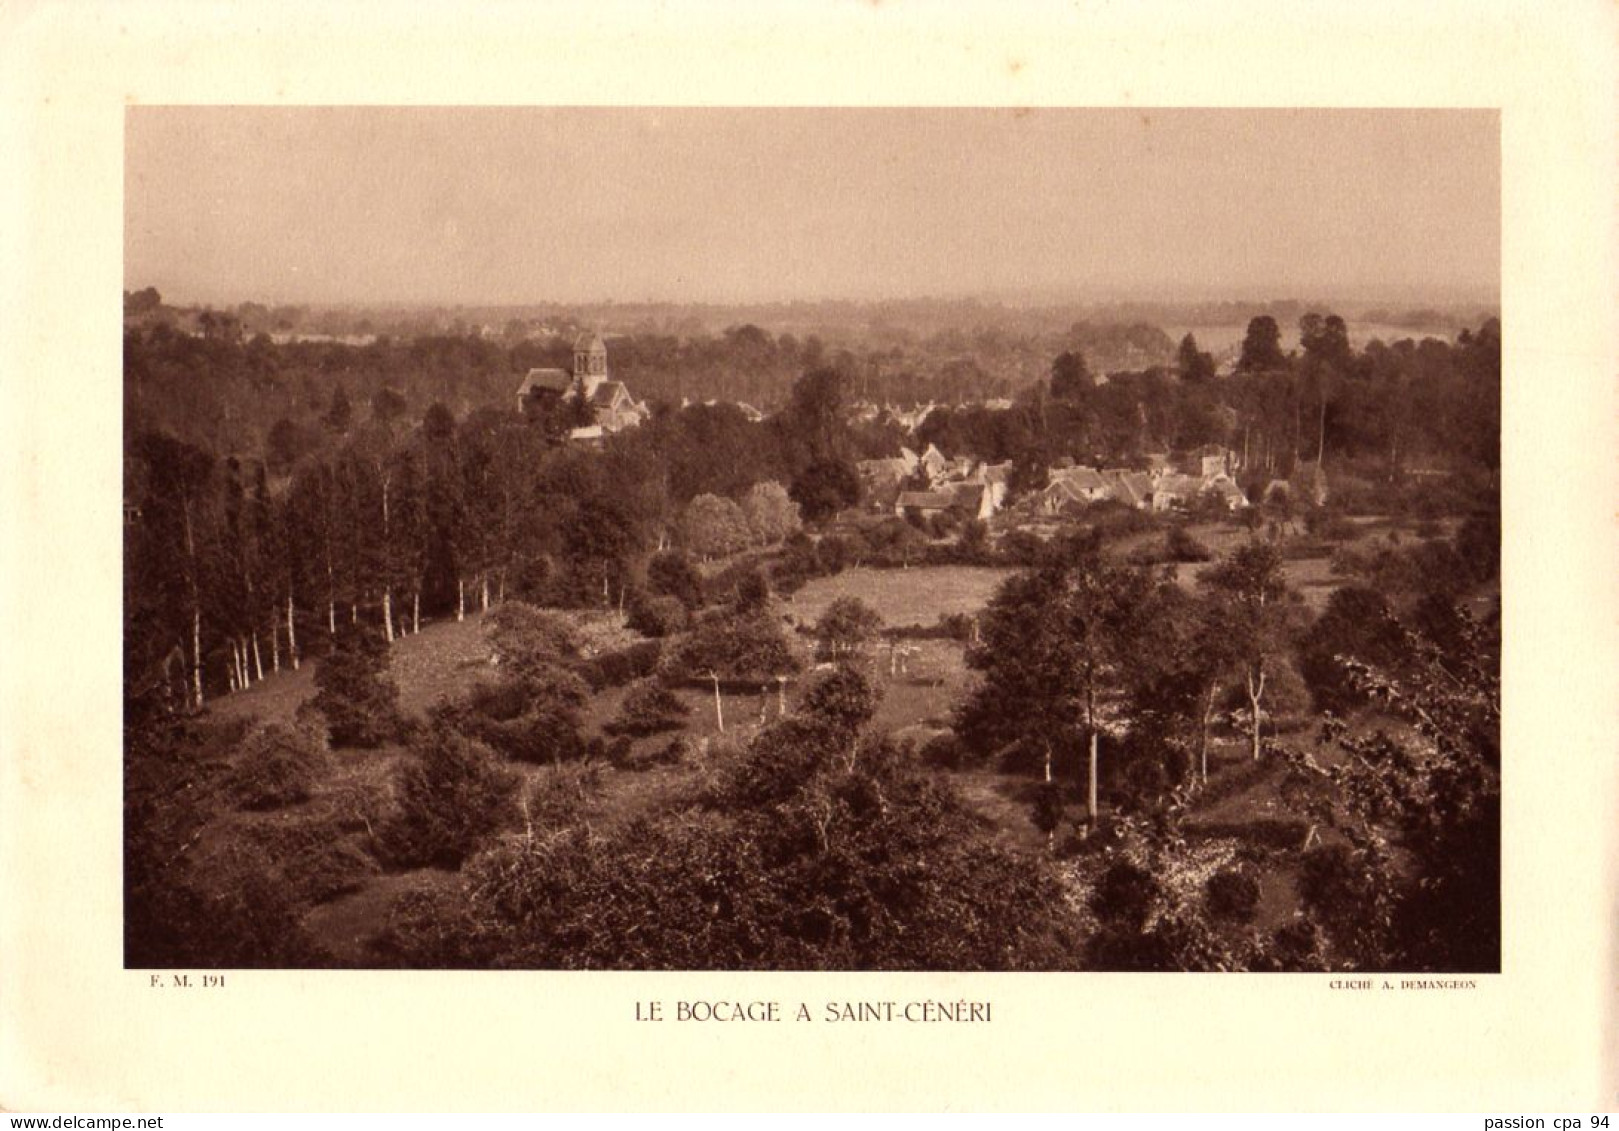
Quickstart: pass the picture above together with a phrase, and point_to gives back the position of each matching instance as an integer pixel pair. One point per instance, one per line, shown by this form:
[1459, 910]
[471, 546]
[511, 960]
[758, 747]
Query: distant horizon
[491, 207]
[1395, 302]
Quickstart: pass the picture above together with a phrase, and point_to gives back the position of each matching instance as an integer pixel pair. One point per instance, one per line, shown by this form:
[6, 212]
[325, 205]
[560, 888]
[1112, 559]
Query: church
[612, 407]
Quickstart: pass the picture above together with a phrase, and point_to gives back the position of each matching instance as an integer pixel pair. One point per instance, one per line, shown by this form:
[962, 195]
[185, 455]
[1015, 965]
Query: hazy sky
[521, 205]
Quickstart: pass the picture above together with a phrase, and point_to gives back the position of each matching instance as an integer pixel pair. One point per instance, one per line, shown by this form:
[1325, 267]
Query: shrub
[843, 697]
[648, 709]
[671, 753]
[778, 762]
[671, 574]
[944, 751]
[453, 798]
[525, 638]
[655, 616]
[558, 797]
[358, 701]
[1125, 894]
[736, 646]
[1048, 807]
[1233, 894]
[1181, 546]
[325, 865]
[532, 719]
[615, 669]
[278, 765]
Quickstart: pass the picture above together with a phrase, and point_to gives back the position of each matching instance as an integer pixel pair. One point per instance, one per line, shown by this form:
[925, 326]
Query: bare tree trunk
[484, 584]
[275, 646]
[196, 656]
[331, 617]
[460, 599]
[388, 614]
[1090, 794]
[1255, 691]
[1321, 434]
[258, 660]
[292, 638]
[415, 612]
[719, 710]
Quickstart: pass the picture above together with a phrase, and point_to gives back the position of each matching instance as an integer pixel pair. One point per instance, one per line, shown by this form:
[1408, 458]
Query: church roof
[557, 380]
[608, 393]
[589, 342]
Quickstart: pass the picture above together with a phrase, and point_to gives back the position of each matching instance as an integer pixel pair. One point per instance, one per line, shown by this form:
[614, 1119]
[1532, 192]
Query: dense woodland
[316, 501]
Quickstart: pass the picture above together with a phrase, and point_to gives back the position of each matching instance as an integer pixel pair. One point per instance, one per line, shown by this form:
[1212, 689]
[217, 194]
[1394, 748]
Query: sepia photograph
[812, 539]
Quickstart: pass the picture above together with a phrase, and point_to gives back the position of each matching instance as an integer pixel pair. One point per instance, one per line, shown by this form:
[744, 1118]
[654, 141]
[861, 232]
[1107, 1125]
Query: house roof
[1131, 487]
[927, 500]
[1183, 486]
[557, 380]
[1062, 492]
[1082, 478]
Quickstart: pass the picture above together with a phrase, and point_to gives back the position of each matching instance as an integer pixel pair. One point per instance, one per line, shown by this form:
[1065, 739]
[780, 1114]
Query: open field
[918, 596]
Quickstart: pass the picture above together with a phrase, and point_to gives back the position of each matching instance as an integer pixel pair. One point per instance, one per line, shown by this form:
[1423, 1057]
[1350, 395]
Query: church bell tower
[589, 363]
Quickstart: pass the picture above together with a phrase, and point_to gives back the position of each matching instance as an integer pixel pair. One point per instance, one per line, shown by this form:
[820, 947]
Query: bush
[558, 797]
[316, 861]
[671, 753]
[656, 617]
[278, 765]
[843, 697]
[1125, 894]
[1048, 807]
[1181, 546]
[453, 798]
[736, 646]
[1233, 894]
[358, 701]
[784, 756]
[671, 574]
[945, 752]
[648, 709]
[615, 669]
[531, 719]
[525, 638]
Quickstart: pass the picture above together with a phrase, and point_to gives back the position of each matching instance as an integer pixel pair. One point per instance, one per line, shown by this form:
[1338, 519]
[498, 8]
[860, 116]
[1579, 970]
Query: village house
[609, 402]
[1174, 491]
[967, 500]
[935, 463]
[1211, 460]
[1132, 488]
